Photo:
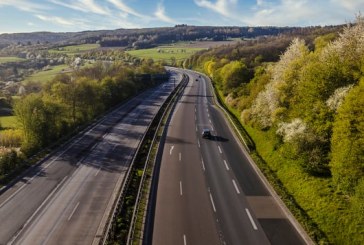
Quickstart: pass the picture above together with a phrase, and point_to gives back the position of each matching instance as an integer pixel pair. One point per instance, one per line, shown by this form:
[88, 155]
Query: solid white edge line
[98, 171]
[226, 165]
[73, 211]
[236, 187]
[212, 202]
[184, 239]
[180, 188]
[170, 151]
[203, 165]
[251, 219]
[219, 149]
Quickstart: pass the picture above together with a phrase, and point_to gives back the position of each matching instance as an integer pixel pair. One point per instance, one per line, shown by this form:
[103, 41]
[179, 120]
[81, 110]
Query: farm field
[165, 53]
[74, 49]
[44, 76]
[10, 59]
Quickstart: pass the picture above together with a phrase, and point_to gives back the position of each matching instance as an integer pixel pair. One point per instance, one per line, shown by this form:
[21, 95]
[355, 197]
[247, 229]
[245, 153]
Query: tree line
[72, 100]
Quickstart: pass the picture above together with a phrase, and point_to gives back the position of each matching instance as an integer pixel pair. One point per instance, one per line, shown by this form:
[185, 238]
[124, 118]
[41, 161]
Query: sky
[80, 15]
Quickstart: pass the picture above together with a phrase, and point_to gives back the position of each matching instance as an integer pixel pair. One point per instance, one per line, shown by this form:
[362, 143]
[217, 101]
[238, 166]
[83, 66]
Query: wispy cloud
[24, 5]
[294, 12]
[87, 6]
[223, 7]
[123, 7]
[55, 20]
[352, 5]
[161, 15]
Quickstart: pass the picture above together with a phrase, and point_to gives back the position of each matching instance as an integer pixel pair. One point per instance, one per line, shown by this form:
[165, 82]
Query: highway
[208, 189]
[67, 198]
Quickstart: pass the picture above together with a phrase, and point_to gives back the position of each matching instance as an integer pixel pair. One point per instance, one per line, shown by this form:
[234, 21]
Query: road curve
[208, 190]
[67, 198]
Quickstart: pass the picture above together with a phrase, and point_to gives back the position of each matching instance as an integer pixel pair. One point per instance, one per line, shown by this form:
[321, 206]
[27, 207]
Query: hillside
[301, 102]
[149, 37]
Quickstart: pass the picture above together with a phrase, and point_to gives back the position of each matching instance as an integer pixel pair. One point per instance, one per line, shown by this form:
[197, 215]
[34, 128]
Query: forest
[301, 100]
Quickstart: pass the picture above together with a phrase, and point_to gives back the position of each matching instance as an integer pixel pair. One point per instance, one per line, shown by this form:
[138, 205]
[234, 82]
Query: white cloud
[23, 5]
[223, 7]
[55, 20]
[161, 15]
[295, 13]
[87, 6]
[123, 7]
[352, 5]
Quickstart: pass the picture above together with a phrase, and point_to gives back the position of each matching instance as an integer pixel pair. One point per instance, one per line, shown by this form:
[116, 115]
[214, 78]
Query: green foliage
[305, 114]
[70, 100]
[233, 74]
[347, 142]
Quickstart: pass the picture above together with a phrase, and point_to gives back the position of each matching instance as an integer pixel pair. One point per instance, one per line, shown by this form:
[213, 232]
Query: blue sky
[79, 15]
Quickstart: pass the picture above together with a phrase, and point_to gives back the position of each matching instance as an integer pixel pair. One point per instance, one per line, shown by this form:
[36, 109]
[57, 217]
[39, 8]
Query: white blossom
[293, 130]
[336, 99]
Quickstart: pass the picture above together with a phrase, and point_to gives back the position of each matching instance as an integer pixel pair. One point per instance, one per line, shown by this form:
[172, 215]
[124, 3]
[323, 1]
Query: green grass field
[74, 49]
[8, 122]
[165, 53]
[10, 59]
[45, 76]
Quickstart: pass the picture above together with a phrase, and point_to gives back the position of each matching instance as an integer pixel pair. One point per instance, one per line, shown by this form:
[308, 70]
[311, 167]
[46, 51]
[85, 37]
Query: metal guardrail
[126, 181]
[142, 182]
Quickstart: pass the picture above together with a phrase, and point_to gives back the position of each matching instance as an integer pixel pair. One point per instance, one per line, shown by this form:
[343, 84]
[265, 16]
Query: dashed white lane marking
[212, 202]
[220, 149]
[184, 240]
[180, 188]
[236, 187]
[196, 129]
[170, 151]
[251, 219]
[180, 156]
[210, 121]
[73, 211]
[203, 165]
[226, 166]
[198, 142]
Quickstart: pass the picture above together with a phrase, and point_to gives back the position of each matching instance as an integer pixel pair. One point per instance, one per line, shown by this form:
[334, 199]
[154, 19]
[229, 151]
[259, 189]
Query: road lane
[240, 208]
[185, 218]
[65, 198]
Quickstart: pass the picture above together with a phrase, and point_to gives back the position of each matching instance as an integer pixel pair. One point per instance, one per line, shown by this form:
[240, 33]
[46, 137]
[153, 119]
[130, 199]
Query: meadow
[10, 59]
[165, 53]
[45, 76]
[74, 49]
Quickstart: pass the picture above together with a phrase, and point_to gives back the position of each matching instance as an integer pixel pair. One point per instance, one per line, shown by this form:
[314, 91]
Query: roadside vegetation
[304, 109]
[66, 103]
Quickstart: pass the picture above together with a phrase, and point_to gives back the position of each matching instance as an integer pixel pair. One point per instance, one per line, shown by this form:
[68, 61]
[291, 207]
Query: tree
[233, 74]
[347, 163]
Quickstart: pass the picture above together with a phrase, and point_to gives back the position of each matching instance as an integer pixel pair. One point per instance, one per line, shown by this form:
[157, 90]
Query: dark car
[206, 133]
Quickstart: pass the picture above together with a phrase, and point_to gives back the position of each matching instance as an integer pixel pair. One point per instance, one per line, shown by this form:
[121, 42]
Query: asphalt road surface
[208, 191]
[68, 197]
